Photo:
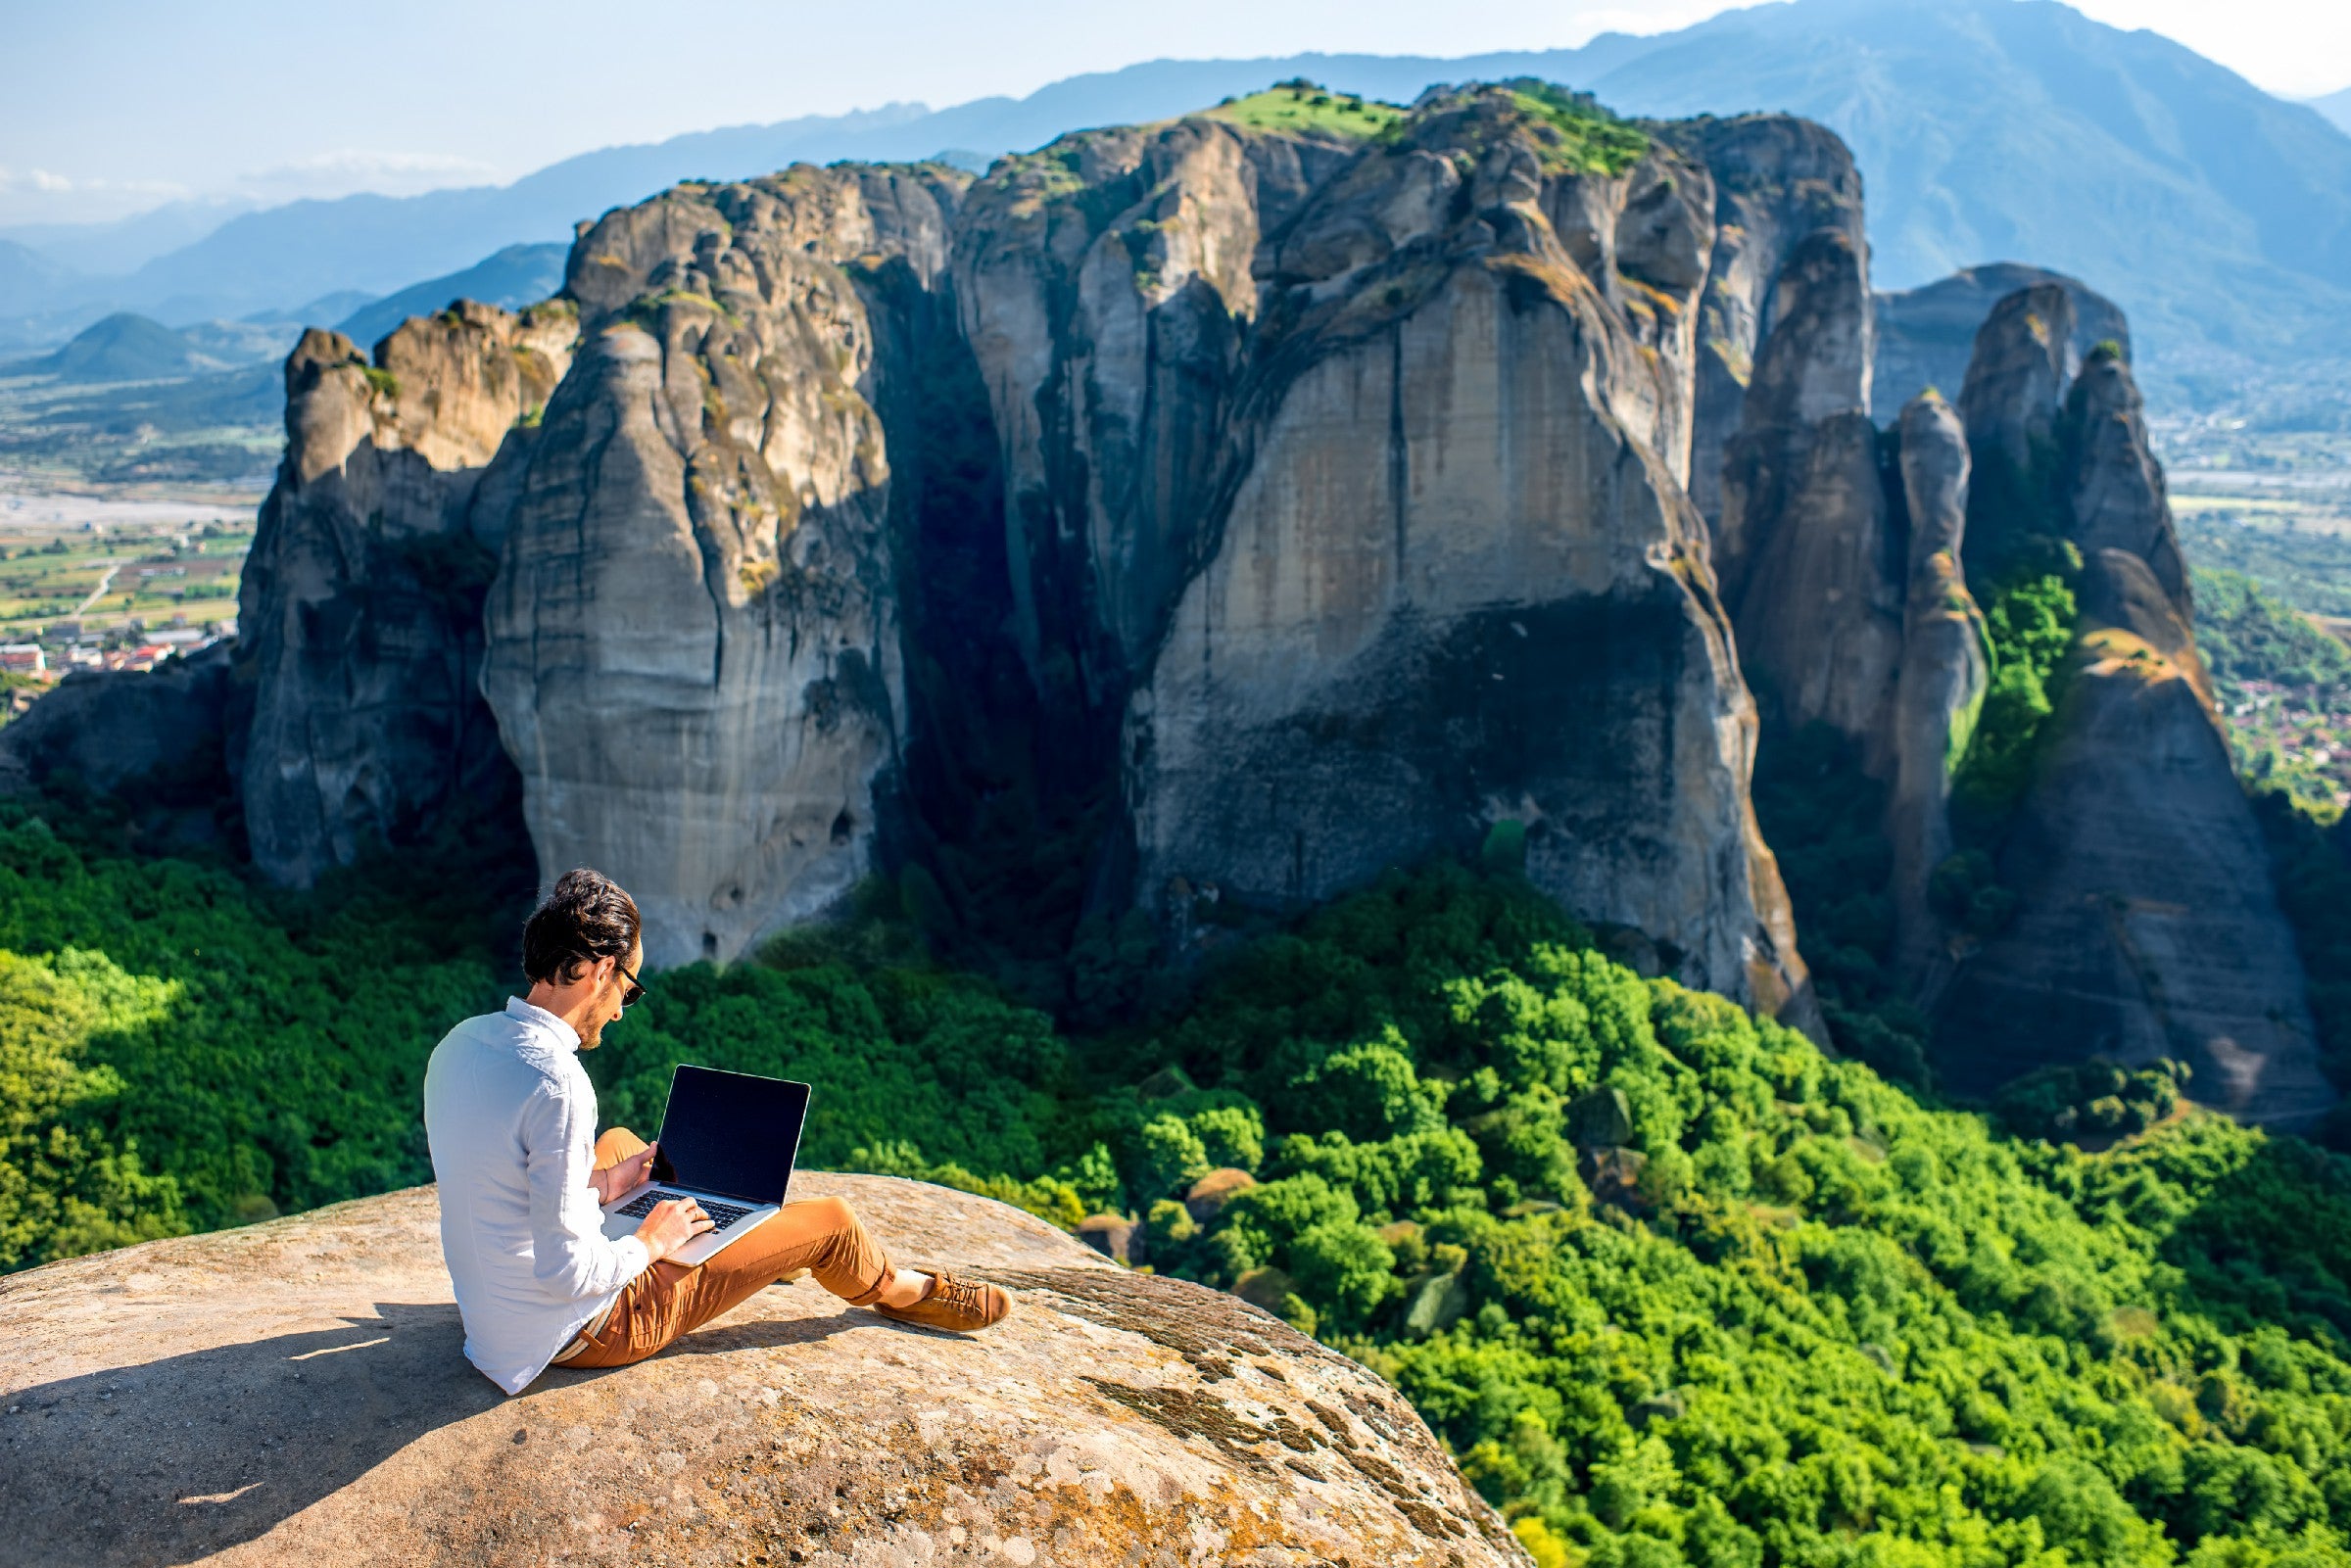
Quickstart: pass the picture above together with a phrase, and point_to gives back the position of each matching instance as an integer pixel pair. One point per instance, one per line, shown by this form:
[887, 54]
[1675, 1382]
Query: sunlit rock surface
[295, 1392]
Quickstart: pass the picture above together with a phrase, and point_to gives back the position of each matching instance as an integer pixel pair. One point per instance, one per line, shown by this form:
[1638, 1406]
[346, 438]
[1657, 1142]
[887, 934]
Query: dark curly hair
[586, 916]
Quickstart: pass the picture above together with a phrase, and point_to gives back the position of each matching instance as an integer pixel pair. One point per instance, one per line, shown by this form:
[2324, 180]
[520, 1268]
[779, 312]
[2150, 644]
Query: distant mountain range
[1987, 130]
[517, 276]
[129, 347]
[2336, 106]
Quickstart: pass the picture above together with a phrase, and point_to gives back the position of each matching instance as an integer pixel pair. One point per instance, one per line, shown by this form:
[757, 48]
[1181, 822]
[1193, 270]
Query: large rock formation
[1810, 556]
[1777, 181]
[1945, 668]
[2017, 378]
[295, 1391]
[744, 642]
[2146, 925]
[1106, 285]
[359, 619]
[695, 641]
[1844, 575]
[693, 648]
[1924, 336]
[2117, 496]
[1451, 577]
[107, 728]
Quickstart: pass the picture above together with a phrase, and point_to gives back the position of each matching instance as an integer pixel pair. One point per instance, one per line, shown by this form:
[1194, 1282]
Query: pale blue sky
[109, 107]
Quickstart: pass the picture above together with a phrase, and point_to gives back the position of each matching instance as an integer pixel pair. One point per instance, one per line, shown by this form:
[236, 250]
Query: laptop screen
[732, 1133]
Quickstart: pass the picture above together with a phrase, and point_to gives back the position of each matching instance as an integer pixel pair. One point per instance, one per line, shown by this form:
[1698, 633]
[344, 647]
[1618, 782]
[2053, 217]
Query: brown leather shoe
[959, 1306]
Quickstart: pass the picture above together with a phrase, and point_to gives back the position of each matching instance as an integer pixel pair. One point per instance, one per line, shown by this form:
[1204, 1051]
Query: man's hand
[613, 1181]
[671, 1225]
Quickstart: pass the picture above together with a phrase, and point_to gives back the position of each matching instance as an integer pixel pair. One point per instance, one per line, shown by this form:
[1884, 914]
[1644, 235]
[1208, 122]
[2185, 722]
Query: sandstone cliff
[1811, 558]
[1924, 336]
[358, 619]
[2116, 496]
[1777, 181]
[2016, 379]
[295, 1391]
[1106, 283]
[1845, 575]
[1451, 576]
[694, 649]
[712, 582]
[2146, 925]
[1945, 668]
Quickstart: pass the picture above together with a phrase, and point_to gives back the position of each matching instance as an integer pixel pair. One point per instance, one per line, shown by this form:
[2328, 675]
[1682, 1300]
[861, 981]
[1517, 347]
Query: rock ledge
[295, 1391]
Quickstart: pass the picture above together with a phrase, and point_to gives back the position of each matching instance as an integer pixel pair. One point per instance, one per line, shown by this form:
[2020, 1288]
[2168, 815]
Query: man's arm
[572, 1256]
[615, 1181]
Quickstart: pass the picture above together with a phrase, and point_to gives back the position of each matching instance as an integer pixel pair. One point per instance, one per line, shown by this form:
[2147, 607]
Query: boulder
[1113, 1236]
[1205, 1198]
[295, 1392]
[1434, 1304]
[1613, 1177]
[1600, 1120]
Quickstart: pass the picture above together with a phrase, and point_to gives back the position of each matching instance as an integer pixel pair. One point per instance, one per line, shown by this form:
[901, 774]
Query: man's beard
[592, 1035]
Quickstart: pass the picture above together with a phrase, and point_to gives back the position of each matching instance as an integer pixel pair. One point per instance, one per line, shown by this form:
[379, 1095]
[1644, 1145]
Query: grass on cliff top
[1302, 107]
[1578, 135]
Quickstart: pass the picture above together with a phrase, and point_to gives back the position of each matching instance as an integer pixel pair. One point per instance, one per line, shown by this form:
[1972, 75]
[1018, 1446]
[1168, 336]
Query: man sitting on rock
[511, 1113]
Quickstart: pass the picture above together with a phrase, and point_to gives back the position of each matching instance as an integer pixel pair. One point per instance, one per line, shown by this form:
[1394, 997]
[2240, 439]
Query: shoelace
[958, 1295]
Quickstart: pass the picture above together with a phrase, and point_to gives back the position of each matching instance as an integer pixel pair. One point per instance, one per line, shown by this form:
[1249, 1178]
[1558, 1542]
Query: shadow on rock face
[182, 1457]
[172, 1461]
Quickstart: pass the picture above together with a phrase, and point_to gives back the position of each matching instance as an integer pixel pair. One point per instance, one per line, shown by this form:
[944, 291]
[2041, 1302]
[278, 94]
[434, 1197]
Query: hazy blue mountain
[518, 275]
[1987, 130]
[379, 244]
[108, 249]
[123, 348]
[330, 306]
[1997, 130]
[2337, 106]
[25, 273]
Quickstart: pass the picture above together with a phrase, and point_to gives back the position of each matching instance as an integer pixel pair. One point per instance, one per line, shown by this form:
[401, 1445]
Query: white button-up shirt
[511, 1117]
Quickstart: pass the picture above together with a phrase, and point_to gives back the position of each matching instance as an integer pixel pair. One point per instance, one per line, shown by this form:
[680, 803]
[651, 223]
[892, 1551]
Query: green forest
[1675, 1287]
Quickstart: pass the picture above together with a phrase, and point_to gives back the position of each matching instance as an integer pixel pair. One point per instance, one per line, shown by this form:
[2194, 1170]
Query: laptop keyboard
[721, 1215]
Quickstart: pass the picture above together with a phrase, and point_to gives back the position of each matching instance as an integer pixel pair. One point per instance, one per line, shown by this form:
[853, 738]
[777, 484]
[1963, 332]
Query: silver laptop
[728, 1141]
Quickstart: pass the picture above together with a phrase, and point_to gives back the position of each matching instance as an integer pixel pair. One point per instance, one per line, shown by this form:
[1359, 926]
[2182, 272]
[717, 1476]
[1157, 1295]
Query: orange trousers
[821, 1235]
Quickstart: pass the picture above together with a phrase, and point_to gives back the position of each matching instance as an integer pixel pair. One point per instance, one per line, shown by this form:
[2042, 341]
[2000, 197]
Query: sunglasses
[636, 991]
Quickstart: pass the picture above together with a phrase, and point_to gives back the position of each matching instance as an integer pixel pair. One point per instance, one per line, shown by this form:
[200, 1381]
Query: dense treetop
[1675, 1286]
